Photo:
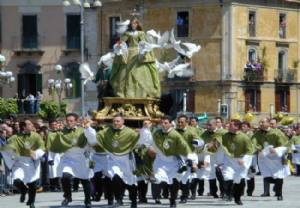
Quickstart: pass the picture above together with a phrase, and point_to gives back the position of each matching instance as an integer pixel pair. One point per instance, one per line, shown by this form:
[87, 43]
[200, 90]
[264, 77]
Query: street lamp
[82, 4]
[6, 77]
[57, 85]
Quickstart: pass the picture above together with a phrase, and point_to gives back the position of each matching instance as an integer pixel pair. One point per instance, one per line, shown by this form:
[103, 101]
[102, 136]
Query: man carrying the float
[190, 135]
[72, 143]
[53, 158]
[22, 155]
[119, 142]
[237, 157]
[211, 137]
[271, 145]
[169, 145]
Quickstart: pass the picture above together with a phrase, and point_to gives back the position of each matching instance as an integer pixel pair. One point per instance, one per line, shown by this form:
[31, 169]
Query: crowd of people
[174, 157]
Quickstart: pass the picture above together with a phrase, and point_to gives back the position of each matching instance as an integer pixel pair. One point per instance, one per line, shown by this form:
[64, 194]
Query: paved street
[290, 193]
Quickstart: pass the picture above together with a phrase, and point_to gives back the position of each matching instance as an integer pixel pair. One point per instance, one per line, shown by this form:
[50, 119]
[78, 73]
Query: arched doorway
[29, 79]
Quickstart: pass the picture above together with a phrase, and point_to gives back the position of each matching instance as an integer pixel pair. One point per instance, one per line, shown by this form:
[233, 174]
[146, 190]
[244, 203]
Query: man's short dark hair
[220, 118]
[194, 117]
[118, 115]
[75, 115]
[182, 116]
[167, 118]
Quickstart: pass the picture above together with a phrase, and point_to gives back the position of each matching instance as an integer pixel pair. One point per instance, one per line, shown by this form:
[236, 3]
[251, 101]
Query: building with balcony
[249, 57]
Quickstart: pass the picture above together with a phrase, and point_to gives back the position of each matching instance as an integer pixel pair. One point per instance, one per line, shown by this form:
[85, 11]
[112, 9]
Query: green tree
[8, 106]
[49, 109]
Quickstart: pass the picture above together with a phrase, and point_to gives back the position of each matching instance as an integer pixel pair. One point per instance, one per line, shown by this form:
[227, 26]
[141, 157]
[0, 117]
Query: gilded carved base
[131, 108]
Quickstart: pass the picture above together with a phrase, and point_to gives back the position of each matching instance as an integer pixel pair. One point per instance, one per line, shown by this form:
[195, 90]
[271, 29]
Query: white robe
[123, 166]
[204, 173]
[100, 162]
[270, 165]
[23, 168]
[75, 163]
[53, 169]
[232, 170]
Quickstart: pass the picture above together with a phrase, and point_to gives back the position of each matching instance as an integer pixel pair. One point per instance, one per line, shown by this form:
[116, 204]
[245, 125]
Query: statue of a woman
[134, 75]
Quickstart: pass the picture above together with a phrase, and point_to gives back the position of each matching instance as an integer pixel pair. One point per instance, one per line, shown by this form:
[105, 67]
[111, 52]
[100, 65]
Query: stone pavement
[291, 198]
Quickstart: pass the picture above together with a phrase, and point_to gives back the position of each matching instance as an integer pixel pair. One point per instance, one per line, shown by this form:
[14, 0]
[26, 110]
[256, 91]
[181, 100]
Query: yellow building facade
[264, 34]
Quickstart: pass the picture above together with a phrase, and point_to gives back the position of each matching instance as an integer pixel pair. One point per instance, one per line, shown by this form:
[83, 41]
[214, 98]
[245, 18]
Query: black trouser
[156, 190]
[54, 184]
[142, 190]
[98, 183]
[23, 189]
[220, 178]
[173, 188]
[115, 188]
[238, 190]
[193, 186]
[228, 186]
[75, 182]
[297, 169]
[66, 182]
[213, 189]
[267, 181]
[250, 186]
[278, 186]
[185, 190]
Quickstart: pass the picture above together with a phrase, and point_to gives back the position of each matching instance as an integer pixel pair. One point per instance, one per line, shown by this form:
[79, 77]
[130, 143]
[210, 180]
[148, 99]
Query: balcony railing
[253, 75]
[289, 75]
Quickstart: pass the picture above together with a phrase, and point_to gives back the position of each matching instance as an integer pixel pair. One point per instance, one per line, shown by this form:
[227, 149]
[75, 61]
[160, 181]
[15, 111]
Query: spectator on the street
[39, 97]
[30, 98]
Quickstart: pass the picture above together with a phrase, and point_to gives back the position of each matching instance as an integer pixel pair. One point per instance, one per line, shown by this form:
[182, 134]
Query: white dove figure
[157, 38]
[107, 59]
[144, 47]
[178, 69]
[122, 26]
[86, 72]
[187, 49]
[172, 39]
[166, 66]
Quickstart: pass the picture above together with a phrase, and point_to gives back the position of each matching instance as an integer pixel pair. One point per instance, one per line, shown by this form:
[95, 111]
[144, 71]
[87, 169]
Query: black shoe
[119, 202]
[249, 194]
[88, 205]
[215, 196]
[200, 194]
[97, 197]
[227, 198]
[183, 201]
[172, 204]
[279, 198]
[238, 202]
[133, 205]
[193, 197]
[31, 205]
[265, 195]
[110, 202]
[157, 201]
[143, 201]
[66, 202]
[22, 197]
